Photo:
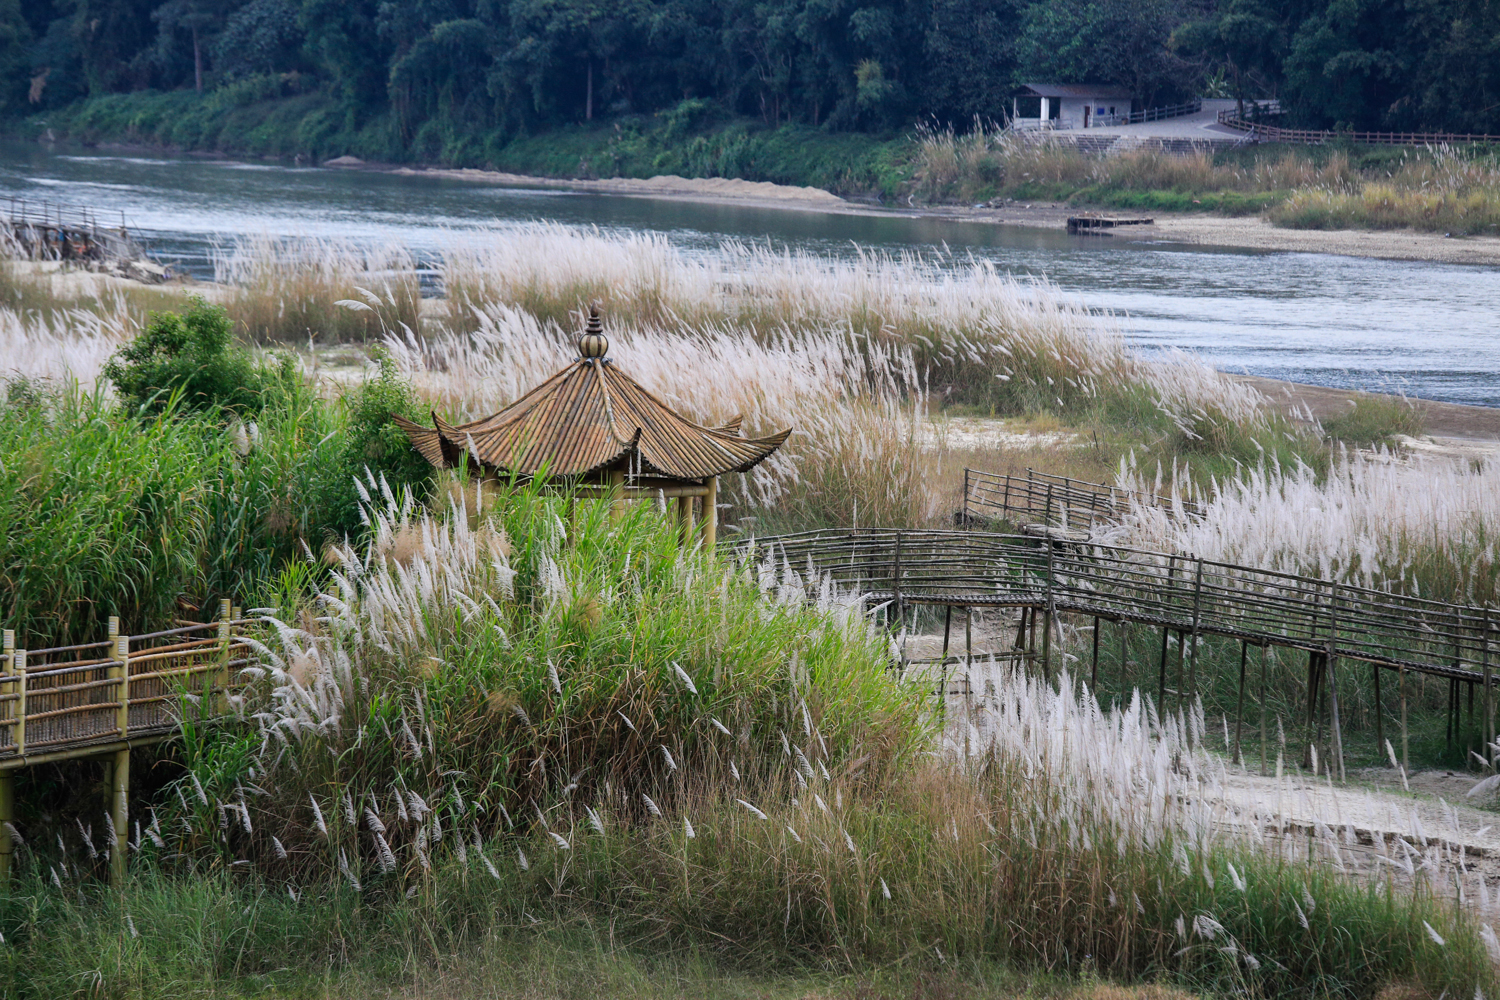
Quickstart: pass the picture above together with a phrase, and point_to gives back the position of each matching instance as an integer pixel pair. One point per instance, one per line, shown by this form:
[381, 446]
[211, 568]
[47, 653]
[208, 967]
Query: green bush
[374, 448]
[193, 354]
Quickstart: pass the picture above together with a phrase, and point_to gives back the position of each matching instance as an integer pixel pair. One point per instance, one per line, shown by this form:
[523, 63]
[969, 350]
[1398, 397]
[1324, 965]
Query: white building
[1069, 105]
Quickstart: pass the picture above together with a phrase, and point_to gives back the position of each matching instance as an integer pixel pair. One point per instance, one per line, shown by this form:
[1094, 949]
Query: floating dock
[1092, 224]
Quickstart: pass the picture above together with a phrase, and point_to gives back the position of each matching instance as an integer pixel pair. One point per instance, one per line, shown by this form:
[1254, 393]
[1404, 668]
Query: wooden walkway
[1332, 623]
[100, 699]
[1071, 506]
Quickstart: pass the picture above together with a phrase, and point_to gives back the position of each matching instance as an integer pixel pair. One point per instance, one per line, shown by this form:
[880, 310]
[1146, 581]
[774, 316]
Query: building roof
[588, 418]
[1082, 91]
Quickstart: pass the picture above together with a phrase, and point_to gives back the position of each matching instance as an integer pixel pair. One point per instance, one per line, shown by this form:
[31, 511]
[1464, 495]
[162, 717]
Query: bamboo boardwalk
[100, 699]
[898, 570]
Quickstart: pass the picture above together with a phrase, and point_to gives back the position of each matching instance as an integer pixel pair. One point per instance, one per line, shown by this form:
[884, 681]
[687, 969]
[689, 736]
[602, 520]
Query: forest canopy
[518, 67]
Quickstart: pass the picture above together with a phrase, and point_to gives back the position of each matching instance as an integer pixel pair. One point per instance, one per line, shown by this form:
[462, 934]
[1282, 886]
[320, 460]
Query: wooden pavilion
[595, 428]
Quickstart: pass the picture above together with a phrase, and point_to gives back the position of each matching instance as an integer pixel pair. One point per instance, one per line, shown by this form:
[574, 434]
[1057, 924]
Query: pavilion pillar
[711, 513]
[617, 493]
[685, 518]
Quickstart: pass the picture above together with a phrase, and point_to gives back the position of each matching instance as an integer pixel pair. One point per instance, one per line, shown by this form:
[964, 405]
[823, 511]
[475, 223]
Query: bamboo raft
[898, 570]
[101, 699]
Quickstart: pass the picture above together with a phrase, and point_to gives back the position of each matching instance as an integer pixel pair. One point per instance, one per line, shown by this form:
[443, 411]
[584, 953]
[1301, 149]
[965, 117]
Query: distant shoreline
[1241, 232]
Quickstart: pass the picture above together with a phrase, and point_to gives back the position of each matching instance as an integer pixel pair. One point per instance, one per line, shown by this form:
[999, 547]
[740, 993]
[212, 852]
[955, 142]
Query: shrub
[193, 353]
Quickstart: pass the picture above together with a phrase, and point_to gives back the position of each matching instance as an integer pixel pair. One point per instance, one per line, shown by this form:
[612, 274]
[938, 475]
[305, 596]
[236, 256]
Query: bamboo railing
[897, 569]
[1317, 137]
[1069, 505]
[84, 700]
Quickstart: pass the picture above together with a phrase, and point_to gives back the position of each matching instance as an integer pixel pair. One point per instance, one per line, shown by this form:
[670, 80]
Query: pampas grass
[1420, 526]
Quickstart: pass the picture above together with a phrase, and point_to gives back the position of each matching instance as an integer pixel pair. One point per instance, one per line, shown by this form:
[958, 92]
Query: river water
[1426, 329]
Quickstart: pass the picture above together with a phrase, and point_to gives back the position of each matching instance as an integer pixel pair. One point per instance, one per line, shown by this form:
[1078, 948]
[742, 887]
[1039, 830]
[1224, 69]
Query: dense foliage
[192, 353]
[112, 507]
[459, 79]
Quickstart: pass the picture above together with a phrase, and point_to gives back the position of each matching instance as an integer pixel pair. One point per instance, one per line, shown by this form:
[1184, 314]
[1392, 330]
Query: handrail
[1317, 137]
[1060, 502]
[59, 702]
[1118, 583]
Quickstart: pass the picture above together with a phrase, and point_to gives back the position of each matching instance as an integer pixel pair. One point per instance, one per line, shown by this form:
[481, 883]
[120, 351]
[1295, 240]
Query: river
[1426, 329]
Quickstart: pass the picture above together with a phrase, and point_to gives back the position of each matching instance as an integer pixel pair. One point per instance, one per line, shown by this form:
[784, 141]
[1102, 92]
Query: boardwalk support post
[1094, 675]
[120, 815]
[1161, 681]
[1333, 689]
[1489, 696]
[1379, 724]
[1047, 624]
[1405, 757]
[1239, 711]
[1265, 654]
[7, 820]
[7, 778]
[1192, 684]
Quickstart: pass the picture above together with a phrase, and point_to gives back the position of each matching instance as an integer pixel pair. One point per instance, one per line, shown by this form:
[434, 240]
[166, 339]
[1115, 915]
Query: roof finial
[593, 343]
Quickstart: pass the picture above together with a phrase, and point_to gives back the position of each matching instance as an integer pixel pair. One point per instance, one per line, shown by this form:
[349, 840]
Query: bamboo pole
[7, 821]
[711, 514]
[1051, 607]
[1333, 689]
[1239, 711]
[1192, 684]
[1265, 654]
[18, 661]
[1379, 723]
[1405, 743]
[120, 673]
[1161, 682]
[1094, 675]
[1489, 695]
[120, 814]
[8, 644]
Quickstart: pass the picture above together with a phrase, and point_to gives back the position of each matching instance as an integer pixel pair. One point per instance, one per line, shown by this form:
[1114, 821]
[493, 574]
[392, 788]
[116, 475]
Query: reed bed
[547, 713]
[987, 160]
[1423, 527]
[976, 335]
[297, 291]
[73, 345]
[1440, 190]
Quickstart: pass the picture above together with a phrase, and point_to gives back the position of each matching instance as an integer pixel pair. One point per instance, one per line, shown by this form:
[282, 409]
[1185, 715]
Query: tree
[200, 19]
[1245, 38]
[1104, 41]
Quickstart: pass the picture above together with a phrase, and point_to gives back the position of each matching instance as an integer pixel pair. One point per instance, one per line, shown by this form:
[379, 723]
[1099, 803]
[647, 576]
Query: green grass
[1377, 420]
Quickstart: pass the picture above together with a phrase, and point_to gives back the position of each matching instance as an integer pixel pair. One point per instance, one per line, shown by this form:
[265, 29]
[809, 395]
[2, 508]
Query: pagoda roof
[588, 418]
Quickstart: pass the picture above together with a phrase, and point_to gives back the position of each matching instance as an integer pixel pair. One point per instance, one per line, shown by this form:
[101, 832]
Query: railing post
[18, 665]
[119, 651]
[7, 778]
[896, 583]
[1197, 606]
[218, 701]
[7, 686]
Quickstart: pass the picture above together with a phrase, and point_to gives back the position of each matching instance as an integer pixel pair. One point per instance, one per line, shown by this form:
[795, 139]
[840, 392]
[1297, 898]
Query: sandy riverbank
[1249, 233]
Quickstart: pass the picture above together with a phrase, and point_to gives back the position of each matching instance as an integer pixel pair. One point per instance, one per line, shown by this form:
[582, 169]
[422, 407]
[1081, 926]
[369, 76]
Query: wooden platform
[99, 700]
[1088, 225]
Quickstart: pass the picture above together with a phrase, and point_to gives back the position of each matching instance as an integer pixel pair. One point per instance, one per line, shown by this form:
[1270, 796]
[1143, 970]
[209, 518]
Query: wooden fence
[100, 699]
[1331, 622]
[1315, 137]
[1057, 502]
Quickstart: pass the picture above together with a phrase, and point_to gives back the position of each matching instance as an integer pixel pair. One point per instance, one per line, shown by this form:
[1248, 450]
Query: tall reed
[292, 291]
